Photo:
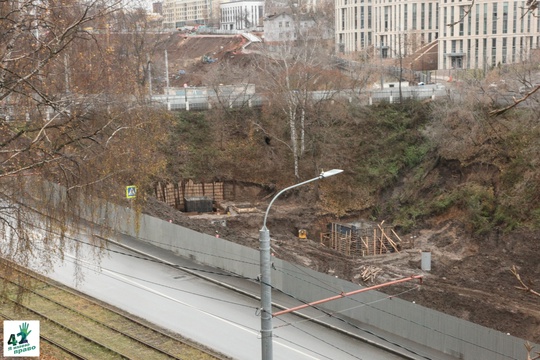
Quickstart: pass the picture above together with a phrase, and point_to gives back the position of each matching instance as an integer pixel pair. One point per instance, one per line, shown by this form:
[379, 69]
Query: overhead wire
[317, 338]
[283, 292]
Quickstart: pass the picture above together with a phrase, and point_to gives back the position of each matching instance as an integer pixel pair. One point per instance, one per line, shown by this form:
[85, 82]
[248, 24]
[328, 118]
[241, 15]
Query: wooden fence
[175, 194]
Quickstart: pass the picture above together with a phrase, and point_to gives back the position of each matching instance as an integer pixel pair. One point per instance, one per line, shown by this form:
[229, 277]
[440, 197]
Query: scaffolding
[363, 239]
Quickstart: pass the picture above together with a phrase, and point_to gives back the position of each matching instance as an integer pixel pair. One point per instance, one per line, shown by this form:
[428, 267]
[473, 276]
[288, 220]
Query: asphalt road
[204, 311]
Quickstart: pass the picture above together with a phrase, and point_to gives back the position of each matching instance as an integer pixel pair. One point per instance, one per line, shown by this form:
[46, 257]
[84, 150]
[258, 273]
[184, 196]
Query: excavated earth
[469, 280]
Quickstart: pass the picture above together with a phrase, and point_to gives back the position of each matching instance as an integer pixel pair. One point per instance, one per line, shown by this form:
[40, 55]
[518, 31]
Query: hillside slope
[462, 184]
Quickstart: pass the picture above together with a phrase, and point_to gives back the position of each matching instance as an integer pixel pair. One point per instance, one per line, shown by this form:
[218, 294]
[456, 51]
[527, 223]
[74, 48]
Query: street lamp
[266, 284]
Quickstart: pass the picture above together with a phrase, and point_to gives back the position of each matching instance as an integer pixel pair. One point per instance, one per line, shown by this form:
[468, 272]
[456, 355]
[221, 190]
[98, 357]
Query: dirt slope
[467, 280]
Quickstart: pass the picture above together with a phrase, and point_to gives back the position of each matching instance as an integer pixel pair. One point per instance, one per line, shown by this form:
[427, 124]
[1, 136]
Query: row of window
[494, 18]
[486, 52]
[488, 20]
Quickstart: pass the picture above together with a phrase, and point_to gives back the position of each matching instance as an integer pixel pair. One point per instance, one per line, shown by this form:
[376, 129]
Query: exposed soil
[467, 279]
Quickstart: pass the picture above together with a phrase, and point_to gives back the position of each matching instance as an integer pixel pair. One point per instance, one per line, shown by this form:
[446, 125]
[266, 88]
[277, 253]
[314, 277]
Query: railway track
[84, 328]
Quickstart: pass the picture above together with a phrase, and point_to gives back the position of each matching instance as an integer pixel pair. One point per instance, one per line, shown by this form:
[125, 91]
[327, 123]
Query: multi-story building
[242, 15]
[469, 35]
[179, 13]
[291, 26]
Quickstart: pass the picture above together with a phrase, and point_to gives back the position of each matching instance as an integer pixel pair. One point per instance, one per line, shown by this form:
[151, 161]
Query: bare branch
[516, 102]
[529, 348]
[465, 14]
[523, 286]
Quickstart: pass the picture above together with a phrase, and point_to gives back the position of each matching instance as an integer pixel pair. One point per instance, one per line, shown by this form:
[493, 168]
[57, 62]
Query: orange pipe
[342, 295]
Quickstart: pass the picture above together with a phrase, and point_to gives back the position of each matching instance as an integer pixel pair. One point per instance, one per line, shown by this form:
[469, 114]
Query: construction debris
[369, 273]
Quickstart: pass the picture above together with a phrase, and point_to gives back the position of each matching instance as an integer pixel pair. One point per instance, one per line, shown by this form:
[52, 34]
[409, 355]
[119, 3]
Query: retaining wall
[439, 331]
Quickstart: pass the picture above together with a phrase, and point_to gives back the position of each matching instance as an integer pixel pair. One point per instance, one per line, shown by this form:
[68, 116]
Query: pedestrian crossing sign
[131, 191]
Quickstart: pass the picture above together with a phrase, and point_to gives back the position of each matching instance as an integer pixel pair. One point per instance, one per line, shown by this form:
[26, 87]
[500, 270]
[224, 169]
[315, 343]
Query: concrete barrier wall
[448, 334]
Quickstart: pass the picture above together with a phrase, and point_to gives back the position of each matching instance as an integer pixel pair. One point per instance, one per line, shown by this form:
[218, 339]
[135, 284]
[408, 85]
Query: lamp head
[329, 173]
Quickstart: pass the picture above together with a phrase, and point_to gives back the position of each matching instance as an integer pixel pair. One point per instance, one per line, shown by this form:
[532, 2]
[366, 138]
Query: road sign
[131, 191]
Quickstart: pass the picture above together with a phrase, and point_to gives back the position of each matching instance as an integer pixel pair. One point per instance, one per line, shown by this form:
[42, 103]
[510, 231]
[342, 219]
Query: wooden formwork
[362, 241]
[174, 194]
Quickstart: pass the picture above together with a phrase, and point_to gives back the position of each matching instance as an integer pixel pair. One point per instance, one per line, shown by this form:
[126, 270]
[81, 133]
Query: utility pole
[400, 66]
[149, 74]
[266, 267]
[382, 79]
[167, 69]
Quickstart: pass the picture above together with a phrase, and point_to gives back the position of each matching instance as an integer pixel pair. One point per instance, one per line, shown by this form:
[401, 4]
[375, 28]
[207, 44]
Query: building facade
[492, 33]
[469, 35]
[242, 15]
[179, 13]
[290, 27]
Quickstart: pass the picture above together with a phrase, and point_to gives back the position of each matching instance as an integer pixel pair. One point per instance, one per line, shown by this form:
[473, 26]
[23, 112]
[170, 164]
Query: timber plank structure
[178, 195]
[363, 239]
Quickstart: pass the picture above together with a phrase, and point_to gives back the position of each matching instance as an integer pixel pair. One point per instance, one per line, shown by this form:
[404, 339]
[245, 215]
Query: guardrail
[204, 100]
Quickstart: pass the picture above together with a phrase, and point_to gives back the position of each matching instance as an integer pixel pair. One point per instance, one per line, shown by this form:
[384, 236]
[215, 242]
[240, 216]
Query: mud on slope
[468, 279]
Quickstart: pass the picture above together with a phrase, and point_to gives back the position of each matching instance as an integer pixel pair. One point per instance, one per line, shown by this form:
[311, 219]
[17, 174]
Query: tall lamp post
[266, 284]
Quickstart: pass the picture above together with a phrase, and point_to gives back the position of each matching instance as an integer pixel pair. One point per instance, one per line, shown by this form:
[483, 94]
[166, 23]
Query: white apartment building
[178, 13]
[470, 35]
[242, 15]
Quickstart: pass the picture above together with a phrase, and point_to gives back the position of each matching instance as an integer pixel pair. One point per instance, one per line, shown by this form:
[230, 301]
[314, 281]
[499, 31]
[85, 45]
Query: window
[504, 60]
[485, 18]
[468, 53]
[505, 18]
[513, 49]
[452, 21]
[445, 18]
[477, 19]
[521, 17]
[430, 15]
[461, 18]
[494, 19]
[414, 16]
[287, 24]
[405, 15]
[493, 52]
[437, 19]
[514, 23]
[422, 15]
[484, 52]
[280, 24]
[476, 53]
[444, 52]
[469, 21]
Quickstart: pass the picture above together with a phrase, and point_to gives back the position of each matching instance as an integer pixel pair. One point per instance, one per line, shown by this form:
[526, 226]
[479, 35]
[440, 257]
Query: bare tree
[297, 71]
[65, 119]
